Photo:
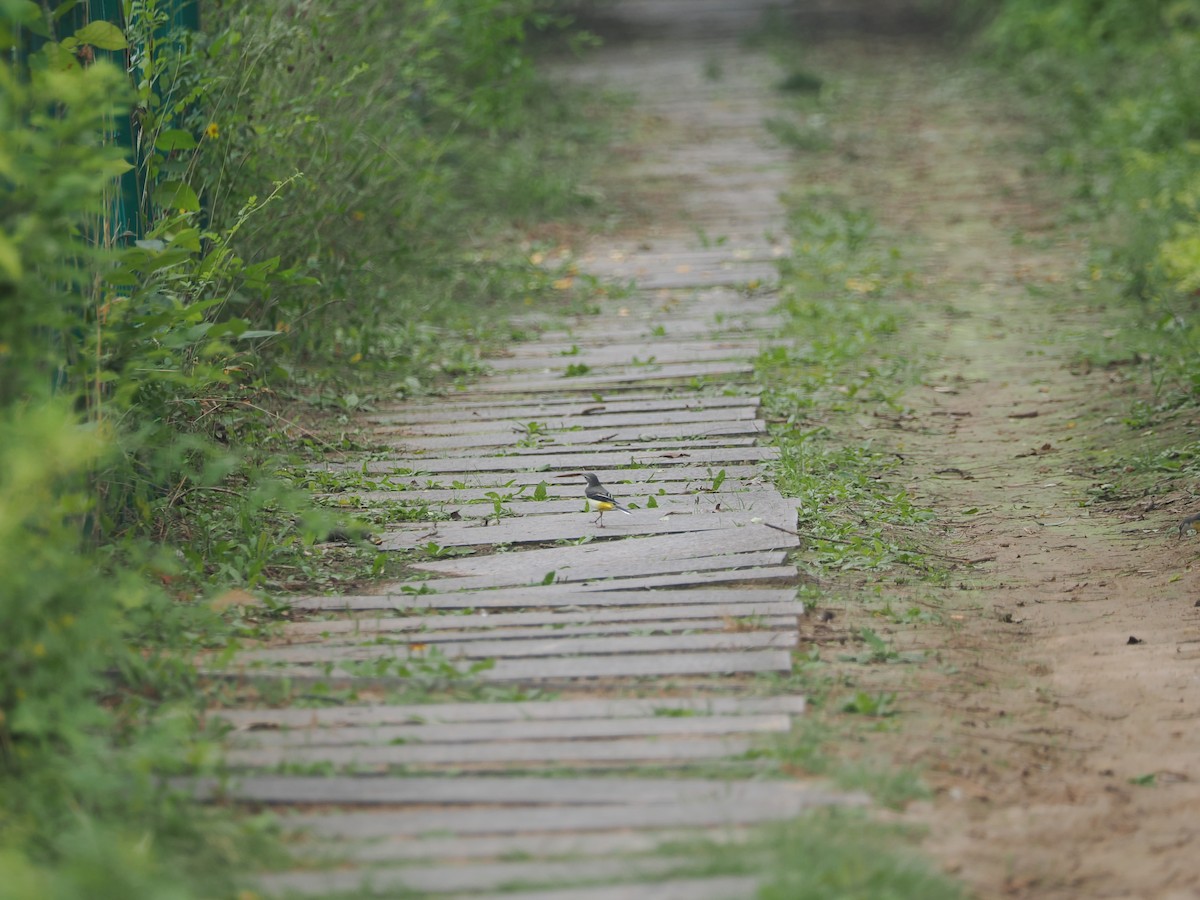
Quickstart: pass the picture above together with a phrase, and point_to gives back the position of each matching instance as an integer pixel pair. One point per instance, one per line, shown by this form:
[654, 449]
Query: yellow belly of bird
[600, 505]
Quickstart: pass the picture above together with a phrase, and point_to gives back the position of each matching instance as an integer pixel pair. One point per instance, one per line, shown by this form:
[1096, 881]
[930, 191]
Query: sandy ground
[1055, 716]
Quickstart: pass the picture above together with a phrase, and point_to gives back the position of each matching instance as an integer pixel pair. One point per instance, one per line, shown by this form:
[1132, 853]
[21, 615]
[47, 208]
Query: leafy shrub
[57, 175]
[1123, 71]
[136, 336]
[143, 346]
[421, 131]
[84, 814]
[57, 638]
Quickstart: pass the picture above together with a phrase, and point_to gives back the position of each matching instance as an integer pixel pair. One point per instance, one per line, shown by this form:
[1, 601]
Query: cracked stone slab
[514, 465]
[551, 669]
[525, 711]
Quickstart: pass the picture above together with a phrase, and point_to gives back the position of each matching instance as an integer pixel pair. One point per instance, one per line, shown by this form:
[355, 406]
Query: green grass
[843, 296]
[843, 856]
[839, 296]
[806, 137]
[837, 718]
[1116, 132]
[828, 854]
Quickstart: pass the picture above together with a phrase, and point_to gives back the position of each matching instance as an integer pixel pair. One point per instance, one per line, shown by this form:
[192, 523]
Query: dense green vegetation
[1119, 76]
[198, 230]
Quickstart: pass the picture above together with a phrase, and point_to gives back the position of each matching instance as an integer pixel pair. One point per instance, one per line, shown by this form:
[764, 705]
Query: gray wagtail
[598, 498]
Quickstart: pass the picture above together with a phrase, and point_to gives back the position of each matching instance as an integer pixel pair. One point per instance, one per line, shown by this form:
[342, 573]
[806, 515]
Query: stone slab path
[684, 603]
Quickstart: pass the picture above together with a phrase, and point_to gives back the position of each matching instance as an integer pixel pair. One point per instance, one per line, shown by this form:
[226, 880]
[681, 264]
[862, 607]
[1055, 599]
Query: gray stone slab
[553, 669]
[640, 665]
[696, 477]
[487, 633]
[638, 376]
[450, 409]
[735, 433]
[703, 813]
[645, 354]
[437, 629]
[558, 489]
[642, 349]
[524, 711]
[725, 887]
[589, 588]
[508, 845]
[437, 880]
[571, 526]
[705, 277]
[669, 257]
[678, 751]
[596, 418]
[600, 594]
[551, 528]
[478, 791]
[708, 581]
[720, 303]
[550, 645]
[601, 558]
[713, 304]
[682, 261]
[682, 615]
[584, 460]
[749, 577]
[521, 508]
[608, 353]
[491, 732]
[644, 306]
[566, 498]
[756, 325]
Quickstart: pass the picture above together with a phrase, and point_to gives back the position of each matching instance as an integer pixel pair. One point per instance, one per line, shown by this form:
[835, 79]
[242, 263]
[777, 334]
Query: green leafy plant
[498, 500]
[873, 705]
[79, 755]
[384, 209]
[877, 649]
[1111, 76]
[533, 434]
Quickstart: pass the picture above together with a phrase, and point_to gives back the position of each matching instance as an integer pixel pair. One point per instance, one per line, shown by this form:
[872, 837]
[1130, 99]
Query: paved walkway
[654, 630]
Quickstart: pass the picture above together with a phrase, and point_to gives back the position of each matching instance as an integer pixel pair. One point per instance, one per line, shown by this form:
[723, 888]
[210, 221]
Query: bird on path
[598, 498]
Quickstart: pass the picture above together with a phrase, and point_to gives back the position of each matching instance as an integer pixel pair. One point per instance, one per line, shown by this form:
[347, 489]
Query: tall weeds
[322, 189]
[1119, 76]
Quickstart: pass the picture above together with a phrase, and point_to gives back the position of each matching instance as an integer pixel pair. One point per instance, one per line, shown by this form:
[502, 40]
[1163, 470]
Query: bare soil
[1056, 715]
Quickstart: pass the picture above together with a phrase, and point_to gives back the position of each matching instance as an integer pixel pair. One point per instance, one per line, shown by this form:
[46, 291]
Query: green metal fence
[61, 20]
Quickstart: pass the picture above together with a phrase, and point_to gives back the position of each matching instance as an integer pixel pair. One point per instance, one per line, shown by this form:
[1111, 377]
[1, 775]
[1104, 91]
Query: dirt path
[1057, 717]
